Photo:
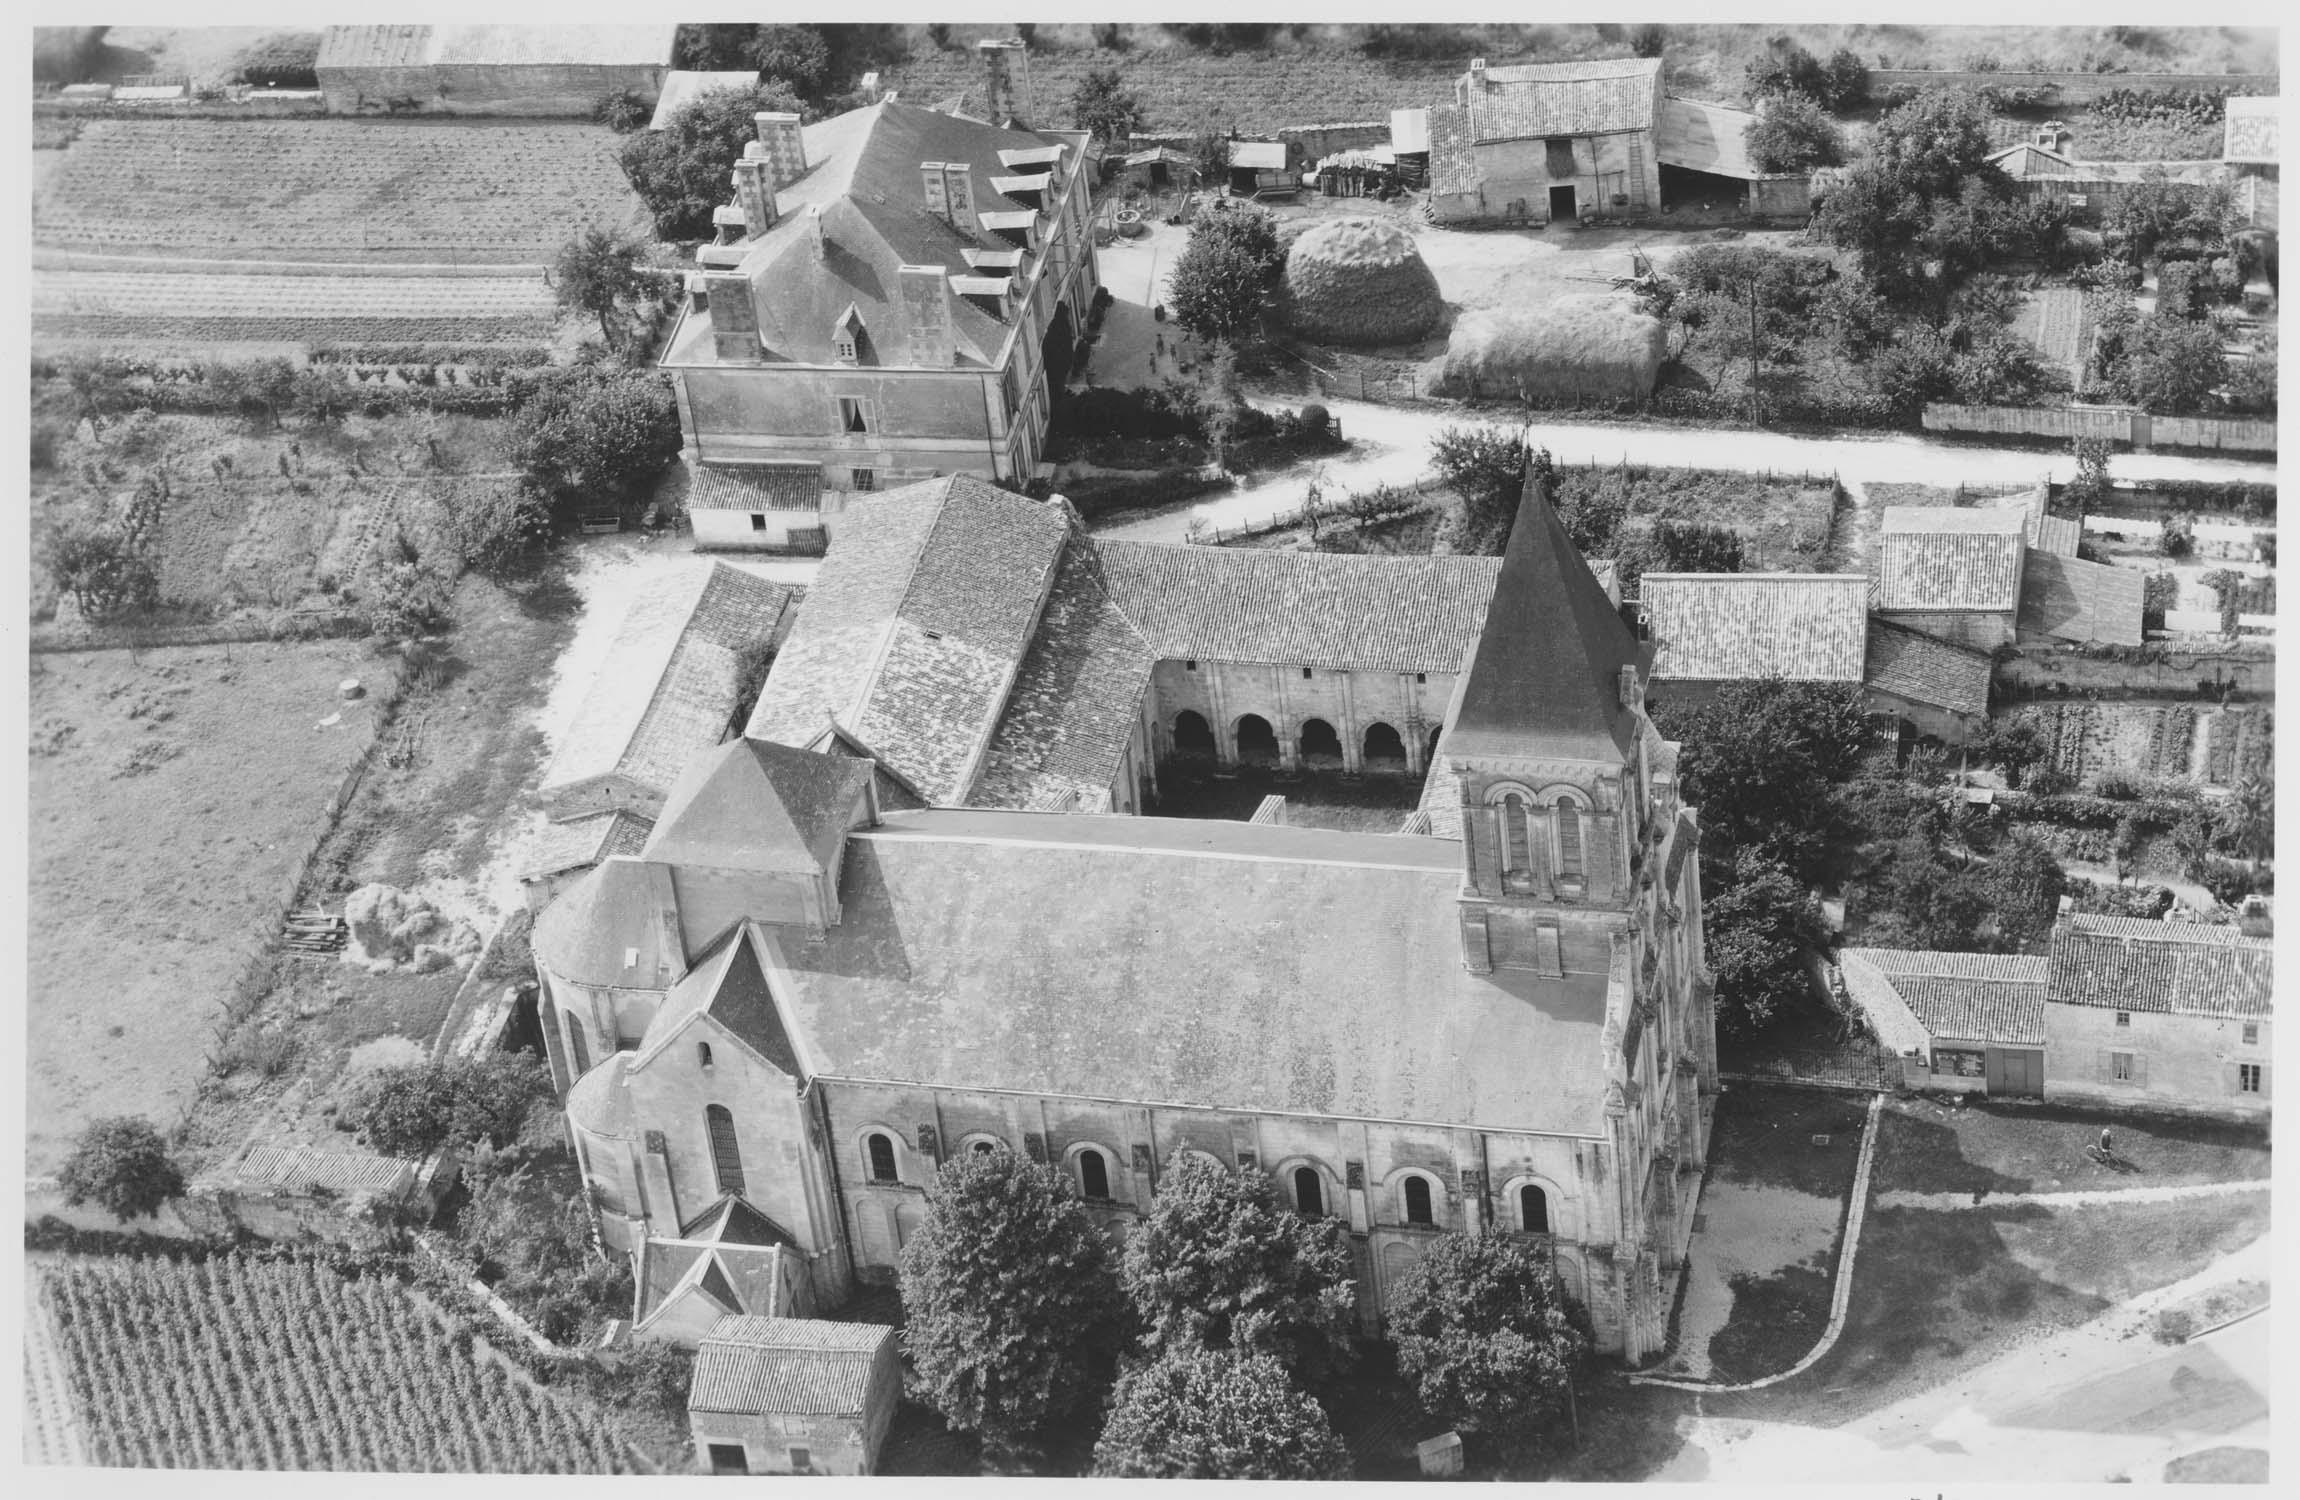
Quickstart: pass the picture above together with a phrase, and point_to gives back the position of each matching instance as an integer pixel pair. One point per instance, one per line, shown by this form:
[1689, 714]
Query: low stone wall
[2068, 87]
[2139, 672]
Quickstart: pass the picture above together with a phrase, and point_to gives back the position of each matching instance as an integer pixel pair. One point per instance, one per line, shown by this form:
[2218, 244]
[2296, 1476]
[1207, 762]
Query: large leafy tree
[1753, 932]
[1221, 1263]
[2024, 884]
[596, 437]
[1004, 1289]
[1793, 134]
[1921, 154]
[1223, 276]
[1485, 467]
[1103, 107]
[1760, 760]
[597, 274]
[1198, 1413]
[681, 172]
[1484, 1331]
[2171, 365]
[121, 1165]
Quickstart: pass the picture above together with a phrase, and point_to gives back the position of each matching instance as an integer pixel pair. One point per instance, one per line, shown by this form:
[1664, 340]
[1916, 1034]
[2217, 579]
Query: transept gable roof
[756, 805]
[728, 984]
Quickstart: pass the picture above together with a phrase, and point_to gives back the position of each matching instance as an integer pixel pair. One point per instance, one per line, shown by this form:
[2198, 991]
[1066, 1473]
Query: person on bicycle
[2105, 1149]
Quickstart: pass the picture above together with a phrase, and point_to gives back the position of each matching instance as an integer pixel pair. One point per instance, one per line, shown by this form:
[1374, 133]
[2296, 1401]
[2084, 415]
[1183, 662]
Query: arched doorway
[1257, 741]
[1321, 747]
[1385, 750]
[1192, 734]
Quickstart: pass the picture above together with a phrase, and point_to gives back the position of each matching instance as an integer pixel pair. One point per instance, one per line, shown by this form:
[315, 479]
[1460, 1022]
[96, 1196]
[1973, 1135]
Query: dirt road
[1390, 445]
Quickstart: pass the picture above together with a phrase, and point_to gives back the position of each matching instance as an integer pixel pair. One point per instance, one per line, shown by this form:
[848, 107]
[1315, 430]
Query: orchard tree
[1222, 279]
[1485, 1333]
[121, 1165]
[1103, 107]
[1004, 1288]
[1485, 467]
[1197, 1413]
[681, 172]
[2024, 884]
[1793, 134]
[598, 273]
[1754, 930]
[2172, 365]
[796, 56]
[1921, 154]
[592, 436]
[1221, 1263]
[101, 566]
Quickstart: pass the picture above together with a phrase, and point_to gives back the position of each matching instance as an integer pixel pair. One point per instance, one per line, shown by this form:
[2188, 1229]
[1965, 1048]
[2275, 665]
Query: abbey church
[878, 931]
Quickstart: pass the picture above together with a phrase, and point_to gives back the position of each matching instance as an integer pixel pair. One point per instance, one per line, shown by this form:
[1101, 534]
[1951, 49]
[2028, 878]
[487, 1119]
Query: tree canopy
[1220, 1263]
[681, 172]
[596, 437]
[1199, 1413]
[1929, 151]
[1793, 134]
[1103, 107]
[1485, 467]
[1004, 1288]
[1759, 759]
[1753, 931]
[597, 274]
[414, 1108]
[1486, 1334]
[121, 1165]
[1223, 276]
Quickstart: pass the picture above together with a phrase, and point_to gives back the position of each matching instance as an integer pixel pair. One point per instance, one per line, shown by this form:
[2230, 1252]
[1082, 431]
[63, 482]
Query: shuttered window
[726, 1156]
[1568, 839]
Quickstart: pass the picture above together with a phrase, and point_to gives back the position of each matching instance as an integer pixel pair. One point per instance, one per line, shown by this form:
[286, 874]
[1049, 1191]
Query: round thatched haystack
[1580, 348]
[1360, 281]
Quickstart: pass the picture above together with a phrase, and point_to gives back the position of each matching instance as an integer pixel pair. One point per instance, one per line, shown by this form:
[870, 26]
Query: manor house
[823, 976]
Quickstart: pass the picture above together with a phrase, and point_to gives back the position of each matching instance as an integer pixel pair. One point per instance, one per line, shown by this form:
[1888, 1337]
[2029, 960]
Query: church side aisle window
[726, 1156]
[882, 1164]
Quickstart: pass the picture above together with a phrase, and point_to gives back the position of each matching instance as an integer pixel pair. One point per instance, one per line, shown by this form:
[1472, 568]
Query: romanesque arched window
[1417, 1195]
[1516, 855]
[726, 1156]
[1309, 1193]
[1532, 1209]
[1567, 813]
[1093, 1174]
[882, 1159]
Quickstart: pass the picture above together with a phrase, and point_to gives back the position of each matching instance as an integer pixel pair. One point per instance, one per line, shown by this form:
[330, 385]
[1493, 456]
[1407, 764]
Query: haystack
[1360, 281]
[1578, 348]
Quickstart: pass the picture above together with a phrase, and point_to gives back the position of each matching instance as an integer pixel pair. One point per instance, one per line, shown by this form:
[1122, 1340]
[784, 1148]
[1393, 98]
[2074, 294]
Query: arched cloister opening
[1192, 734]
[1385, 749]
[1257, 741]
[1321, 746]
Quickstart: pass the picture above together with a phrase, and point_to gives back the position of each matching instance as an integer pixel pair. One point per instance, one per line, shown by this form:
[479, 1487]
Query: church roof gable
[754, 805]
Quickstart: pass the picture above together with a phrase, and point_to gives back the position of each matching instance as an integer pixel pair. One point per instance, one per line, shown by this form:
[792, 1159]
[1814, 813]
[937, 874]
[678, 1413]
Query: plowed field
[291, 309]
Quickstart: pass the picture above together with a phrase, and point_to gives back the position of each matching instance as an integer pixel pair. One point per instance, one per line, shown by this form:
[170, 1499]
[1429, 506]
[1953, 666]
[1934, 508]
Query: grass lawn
[1925, 1146]
[173, 793]
[1367, 804]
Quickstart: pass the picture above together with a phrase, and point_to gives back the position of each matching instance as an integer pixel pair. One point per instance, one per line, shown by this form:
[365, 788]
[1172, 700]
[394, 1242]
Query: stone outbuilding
[1953, 572]
[793, 1396]
[2172, 1016]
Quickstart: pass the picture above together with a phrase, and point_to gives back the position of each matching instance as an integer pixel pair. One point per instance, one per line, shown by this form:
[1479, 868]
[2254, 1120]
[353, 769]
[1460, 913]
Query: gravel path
[2083, 1198]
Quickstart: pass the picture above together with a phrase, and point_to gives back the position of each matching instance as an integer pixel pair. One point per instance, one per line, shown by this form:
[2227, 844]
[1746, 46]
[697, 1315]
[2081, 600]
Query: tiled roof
[374, 46]
[1076, 700]
[1886, 1010]
[1938, 557]
[1974, 997]
[1548, 99]
[1311, 609]
[2185, 968]
[736, 1278]
[1809, 627]
[756, 805]
[758, 487]
[2081, 601]
[1453, 167]
[1706, 138]
[603, 929]
[580, 843]
[1293, 970]
[863, 175]
[2055, 534]
[788, 1366]
[2250, 129]
[916, 626]
[1925, 669]
[667, 688]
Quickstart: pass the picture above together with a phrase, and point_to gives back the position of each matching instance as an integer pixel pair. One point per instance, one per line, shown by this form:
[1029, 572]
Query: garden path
[2083, 1198]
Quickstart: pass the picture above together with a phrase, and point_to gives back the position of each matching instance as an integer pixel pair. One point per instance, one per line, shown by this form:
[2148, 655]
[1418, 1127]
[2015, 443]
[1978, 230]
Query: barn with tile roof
[785, 1395]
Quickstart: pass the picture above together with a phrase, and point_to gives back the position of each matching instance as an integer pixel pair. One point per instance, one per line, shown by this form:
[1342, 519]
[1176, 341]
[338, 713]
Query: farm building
[779, 1395]
[893, 297]
[2123, 1012]
[1560, 142]
[1258, 167]
[1497, 1033]
[1954, 573]
[2071, 600]
[666, 692]
[565, 850]
[557, 70]
[1410, 145]
[764, 507]
[1931, 686]
[2249, 148]
[2046, 166]
[1159, 169]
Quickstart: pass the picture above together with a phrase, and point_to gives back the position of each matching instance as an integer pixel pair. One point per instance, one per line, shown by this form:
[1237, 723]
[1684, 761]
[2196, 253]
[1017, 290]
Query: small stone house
[793, 1396]
[1547, 142]
[1953, 573]
[1963, 1023]
[2170, 1016]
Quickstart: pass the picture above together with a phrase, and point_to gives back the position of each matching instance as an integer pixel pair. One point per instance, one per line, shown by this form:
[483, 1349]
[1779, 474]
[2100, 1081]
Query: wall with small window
[2158, 1060]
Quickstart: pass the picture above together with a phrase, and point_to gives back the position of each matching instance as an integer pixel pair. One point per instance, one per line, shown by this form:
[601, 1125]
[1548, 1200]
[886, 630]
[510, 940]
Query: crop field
[176, 305]
[2053, 319]
[228, 1363]
[2238, 743]
[333, 190]
[2155, 742]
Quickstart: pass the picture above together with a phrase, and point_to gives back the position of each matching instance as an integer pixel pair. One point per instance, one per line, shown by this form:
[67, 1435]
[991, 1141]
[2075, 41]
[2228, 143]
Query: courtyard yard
[173, 794]
[1360, 804]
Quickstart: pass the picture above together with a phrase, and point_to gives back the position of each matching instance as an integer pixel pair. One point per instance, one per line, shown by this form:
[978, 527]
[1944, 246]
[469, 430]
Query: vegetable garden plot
[130, 306]
[230, 1363]
[334, 190]
[2053, 320]
[2150, 741]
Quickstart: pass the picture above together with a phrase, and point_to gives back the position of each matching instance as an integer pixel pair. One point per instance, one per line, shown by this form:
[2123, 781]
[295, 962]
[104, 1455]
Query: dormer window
[846, 336]
[843, 345]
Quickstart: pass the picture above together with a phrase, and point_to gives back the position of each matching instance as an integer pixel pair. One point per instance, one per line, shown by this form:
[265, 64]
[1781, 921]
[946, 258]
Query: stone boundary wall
[2177, 671]
[2072, 87]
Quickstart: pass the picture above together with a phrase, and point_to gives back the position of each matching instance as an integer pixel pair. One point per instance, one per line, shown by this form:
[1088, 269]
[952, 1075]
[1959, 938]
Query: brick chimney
[926, 314]
[815, 229]
[937, 197]
[958, 193]
[755, 190]
[734, 316]
[1006, 77]
[779, 133]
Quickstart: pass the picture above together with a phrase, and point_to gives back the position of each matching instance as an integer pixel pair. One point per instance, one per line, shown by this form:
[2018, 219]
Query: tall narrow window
[1568, 838]
[882, 1167]
[726, 1156]
[1533, 1209]
[1093, 1174]
[1513, 834]
[866, 479]
[1418, 1201]
[2248, 1077]
[575, 1045]
[2120, 1067]
[703, 1053]
[1309, 1193]
[851, 417]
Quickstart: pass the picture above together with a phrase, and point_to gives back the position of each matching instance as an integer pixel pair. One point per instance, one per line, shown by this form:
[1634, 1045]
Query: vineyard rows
[2085, 740]
[2053, 320]
[189, 294]
[351, 190]
[2239, 742]
[512, 332]
[231, 1363]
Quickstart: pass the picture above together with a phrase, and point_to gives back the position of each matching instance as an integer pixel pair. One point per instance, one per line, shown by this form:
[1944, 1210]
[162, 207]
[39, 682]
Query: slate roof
[1077, 698]
[755, 805]
[1925, 669]
[1706, 138]
[2181, 968]
[1546, 99]
[863, 174]
[916, 627]
[604, 929]
[755, 487]
[580, 843]
[1972, 997]
[1548, 662]
[791, 1366]
[1300, 971]
[2249, 130]
[497, 46]
[1808, 627]
[729, 984]
[667, 687]
[1311, 609]
[1937, 557]
[2081, 601]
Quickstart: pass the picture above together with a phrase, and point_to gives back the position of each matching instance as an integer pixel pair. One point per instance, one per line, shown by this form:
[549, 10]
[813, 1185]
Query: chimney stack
[1006, 76]
[734, 316]
[926, 314]
[815, 229]
[930, 181]
[786, 148]
[755, 191]
[958, 193]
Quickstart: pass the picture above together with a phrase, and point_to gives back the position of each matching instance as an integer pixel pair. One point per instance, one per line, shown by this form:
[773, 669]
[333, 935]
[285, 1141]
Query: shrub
[282, 62]
[414, 1109]
[1792, 134]
[122, 1166]
[1216, 1414]
[623, 111]
[107, 571]
[1316, 421]
[596, 437]
[681, 172]
[1648, 40]
[2178, 537]
[1103, 108]
[1223, 276]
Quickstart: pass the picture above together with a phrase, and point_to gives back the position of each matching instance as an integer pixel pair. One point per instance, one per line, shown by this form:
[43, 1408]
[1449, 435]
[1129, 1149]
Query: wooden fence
[2115, 424]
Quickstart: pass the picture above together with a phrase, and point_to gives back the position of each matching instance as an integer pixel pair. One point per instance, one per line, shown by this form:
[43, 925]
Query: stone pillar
[1352, 733]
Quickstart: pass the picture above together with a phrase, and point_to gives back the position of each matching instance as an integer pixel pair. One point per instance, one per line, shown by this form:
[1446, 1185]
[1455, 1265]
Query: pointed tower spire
[1547, 678]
